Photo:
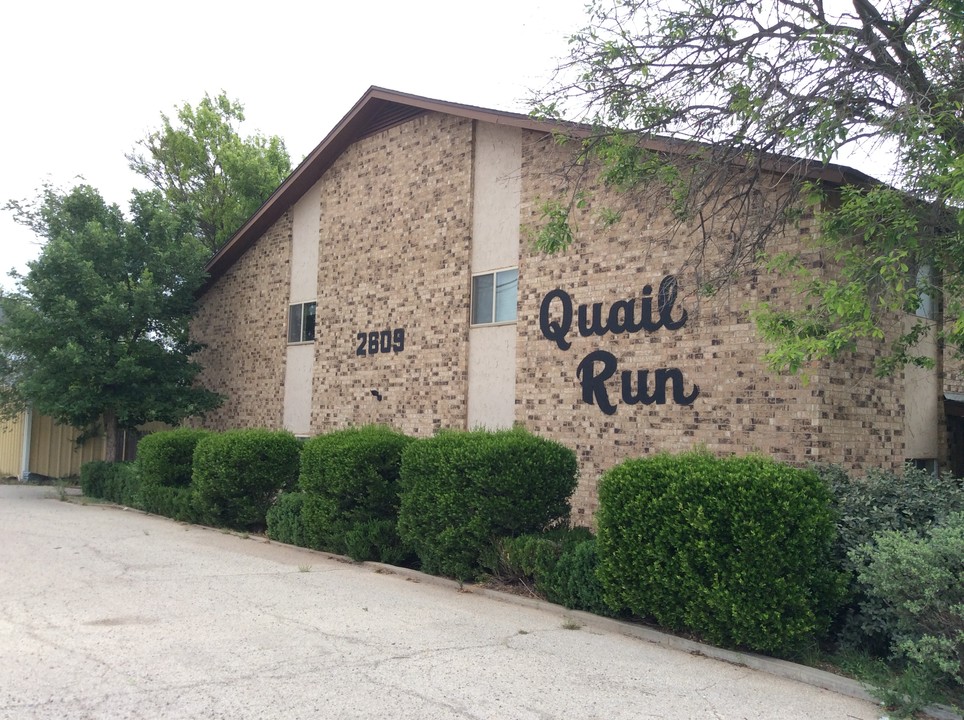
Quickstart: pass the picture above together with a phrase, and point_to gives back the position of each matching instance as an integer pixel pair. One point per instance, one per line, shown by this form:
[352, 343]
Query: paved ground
[107, 613]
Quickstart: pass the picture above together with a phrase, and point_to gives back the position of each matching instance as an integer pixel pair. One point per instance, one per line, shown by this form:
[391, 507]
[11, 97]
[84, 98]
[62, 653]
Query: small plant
[570, 624]
[284, 519]
[304, 568]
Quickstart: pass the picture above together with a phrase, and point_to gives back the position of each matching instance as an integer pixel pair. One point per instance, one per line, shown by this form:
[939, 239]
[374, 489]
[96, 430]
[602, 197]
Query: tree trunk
[113, 450]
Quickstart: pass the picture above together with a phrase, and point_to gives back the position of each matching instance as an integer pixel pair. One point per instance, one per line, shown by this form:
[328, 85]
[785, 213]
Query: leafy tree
[741, 87]
[97, 330]
[208, 173]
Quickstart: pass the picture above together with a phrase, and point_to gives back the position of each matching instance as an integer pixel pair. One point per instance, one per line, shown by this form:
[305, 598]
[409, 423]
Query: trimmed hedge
[238, 474]
[284, 519]
[166, 458]
[117, 482]
[462, 490]
[738, 550]
[350, 482]
[561, 563]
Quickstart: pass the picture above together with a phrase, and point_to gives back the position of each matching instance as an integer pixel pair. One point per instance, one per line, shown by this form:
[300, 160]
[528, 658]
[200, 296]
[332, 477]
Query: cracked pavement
[111, 613]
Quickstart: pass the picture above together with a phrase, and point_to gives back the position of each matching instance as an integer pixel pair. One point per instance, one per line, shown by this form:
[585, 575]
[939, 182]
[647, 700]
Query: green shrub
[913, 501]
[172, 502]
[735, 549]
[284, 519]
[238, 474]
[575, 580]
[117, 482]
[93, 477]
[883, 500]
[918, 583]
[350, 482]
[560, 563]
[166, 458]
[462, 490]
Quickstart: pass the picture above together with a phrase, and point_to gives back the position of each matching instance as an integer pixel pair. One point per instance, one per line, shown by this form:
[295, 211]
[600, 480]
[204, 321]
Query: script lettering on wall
[645, 387]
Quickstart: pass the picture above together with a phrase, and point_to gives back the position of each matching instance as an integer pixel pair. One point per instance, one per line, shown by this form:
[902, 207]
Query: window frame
[303, 329]
[494, 274]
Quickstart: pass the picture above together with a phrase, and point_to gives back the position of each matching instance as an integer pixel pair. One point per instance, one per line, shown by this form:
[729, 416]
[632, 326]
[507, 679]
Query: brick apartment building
[389, 280]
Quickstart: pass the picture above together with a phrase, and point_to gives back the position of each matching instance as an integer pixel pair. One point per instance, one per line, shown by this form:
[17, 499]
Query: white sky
[83, 82]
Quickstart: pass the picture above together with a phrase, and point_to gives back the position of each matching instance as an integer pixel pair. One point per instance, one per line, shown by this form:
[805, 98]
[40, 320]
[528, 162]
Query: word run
[623, 316]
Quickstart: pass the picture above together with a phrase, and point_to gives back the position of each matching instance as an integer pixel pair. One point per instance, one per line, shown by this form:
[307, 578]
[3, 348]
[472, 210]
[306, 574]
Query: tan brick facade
[395, 225]
[396, 222]
[242, 321]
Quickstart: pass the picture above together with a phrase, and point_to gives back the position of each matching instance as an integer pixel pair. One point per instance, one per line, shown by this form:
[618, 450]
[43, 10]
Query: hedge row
[227, 479]
[375, 494]
[745, 552]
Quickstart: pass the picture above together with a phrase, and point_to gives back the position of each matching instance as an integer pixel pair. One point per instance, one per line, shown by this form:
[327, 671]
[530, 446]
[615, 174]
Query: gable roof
[379, 109]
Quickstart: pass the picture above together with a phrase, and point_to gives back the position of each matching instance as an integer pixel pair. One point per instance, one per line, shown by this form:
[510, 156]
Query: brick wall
[843, 414]
[242, 320]
[395, 240]
[395, 219]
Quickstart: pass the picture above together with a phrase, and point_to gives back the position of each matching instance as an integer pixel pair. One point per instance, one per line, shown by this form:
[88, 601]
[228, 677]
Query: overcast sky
[83, 82]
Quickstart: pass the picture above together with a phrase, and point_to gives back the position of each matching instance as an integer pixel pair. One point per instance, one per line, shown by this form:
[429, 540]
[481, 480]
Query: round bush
[736, 549]
[166, 458]
[238, 474]
[462, 490]
[350, 481]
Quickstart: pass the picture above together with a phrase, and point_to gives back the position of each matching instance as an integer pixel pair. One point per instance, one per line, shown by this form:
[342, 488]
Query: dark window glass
[294, 323]
[482, 299]
[309, 322]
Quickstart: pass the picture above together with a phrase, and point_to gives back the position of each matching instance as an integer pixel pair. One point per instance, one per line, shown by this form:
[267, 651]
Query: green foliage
[735, 549]
[462, 490]
[117, 482]
[93, 477]
[166, 458]
[172, 502]
[561, 563]
[913, 501]
[98, 328]
[238, 474]
[350, 482]
[211, 177]
[284, 519]
[739, 90]
[917, 583]
[878, 275]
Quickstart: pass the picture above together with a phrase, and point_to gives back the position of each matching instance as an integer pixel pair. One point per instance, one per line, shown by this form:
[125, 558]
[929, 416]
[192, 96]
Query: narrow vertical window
[495, 296]
[482, 298]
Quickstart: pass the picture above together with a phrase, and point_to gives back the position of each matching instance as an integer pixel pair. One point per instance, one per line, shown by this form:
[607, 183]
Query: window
[494, 297]
[925, 284]
[301, 322]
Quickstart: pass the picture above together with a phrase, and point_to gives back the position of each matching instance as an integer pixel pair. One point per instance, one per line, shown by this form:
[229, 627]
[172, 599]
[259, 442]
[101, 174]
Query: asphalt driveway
[111, 613]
